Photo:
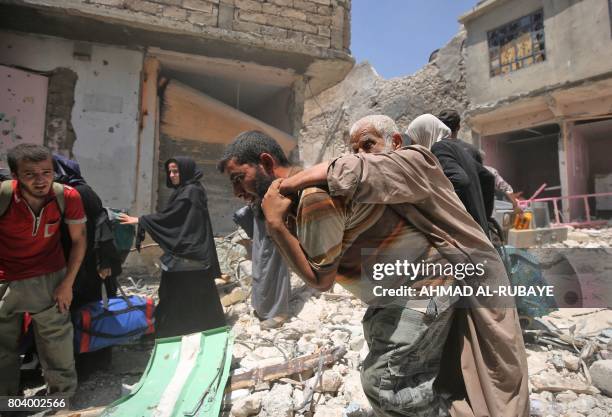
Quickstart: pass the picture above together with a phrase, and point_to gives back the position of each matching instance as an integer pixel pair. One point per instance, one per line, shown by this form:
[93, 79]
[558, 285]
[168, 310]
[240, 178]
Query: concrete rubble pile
[319, 321]
[566, 379]
[573, 379]
[586, 238]
[570, 364]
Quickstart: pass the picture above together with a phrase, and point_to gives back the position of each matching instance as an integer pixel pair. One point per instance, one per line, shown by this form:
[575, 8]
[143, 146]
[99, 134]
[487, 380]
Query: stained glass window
[517, 44]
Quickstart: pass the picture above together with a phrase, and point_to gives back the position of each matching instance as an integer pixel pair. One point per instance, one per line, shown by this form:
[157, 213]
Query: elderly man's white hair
[384, 125]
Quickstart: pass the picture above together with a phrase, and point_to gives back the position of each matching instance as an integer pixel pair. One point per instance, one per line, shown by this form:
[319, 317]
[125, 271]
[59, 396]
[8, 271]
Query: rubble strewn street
[566, 379]
[586, 238]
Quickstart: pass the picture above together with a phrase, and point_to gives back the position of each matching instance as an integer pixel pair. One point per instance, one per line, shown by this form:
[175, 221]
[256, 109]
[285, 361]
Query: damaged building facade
[122, 85]
[539, 82]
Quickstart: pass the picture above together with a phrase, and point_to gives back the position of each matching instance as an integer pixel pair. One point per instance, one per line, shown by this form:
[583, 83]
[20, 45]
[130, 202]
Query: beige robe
[486, 364]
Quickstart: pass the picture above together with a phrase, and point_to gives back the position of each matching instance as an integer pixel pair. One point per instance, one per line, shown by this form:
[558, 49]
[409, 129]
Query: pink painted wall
[23, 103]
[524, 165]
[491, 147]
[499, 157]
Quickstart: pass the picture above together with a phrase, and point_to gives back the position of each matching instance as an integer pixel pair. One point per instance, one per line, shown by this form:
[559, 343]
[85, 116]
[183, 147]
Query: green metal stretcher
[185, 377]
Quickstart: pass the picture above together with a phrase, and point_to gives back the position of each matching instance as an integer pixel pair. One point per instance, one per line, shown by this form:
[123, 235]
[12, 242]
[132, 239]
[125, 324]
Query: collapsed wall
[328, 116]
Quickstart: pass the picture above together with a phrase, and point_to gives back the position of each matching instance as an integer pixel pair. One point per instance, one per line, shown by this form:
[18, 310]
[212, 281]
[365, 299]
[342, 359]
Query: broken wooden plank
[275, 372]
[546, 384]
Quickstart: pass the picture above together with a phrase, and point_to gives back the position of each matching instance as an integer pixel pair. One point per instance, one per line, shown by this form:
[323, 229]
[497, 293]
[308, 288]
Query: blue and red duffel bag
[112, 322]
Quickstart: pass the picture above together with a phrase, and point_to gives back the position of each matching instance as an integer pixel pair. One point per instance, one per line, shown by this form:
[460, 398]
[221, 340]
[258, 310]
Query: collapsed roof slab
[190, 114]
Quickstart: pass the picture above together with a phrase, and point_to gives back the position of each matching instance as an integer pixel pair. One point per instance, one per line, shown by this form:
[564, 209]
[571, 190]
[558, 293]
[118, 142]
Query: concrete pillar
[148, 142]
[475, 139]
[564, 168]
[296, 113]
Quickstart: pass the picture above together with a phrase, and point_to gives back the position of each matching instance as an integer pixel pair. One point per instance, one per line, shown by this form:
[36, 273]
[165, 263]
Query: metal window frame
[496, 70]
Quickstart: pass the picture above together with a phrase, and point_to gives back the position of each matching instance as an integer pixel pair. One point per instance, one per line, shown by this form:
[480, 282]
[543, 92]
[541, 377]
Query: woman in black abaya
[188, 298]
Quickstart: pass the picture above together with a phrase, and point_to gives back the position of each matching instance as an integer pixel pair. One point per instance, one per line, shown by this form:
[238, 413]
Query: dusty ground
[560, 380]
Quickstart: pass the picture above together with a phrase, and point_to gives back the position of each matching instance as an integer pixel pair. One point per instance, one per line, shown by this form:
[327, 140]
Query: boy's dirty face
[35, 178]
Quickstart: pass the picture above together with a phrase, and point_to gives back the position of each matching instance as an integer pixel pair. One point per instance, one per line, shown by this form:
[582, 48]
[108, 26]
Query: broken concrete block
[298, 397]
[330, 382]
[578, 236]
[571, 362]
[598, 412]
[557, 361]
[247, 406]
[340, 319]
[566, 397]
[355, 410]
[352, 391]
[543, 408]
[238, 394]
[584, 404]
[537, 362]
[357, 343]
[265, 352]
[339, 337]
[329, 411]
[601, 372]
[535, 237]
[237, 295]
[278, 402]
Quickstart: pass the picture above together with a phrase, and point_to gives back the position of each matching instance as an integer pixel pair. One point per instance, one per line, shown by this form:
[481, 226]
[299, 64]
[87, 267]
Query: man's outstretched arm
[315, 175]
[403, 176]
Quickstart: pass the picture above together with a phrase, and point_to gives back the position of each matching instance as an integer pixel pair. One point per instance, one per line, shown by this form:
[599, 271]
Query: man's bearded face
[262, 182]
[250, 182]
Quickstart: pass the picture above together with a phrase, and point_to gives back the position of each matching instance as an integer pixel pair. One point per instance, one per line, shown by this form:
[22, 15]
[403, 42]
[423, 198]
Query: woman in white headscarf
[426, 130]
[472, 182]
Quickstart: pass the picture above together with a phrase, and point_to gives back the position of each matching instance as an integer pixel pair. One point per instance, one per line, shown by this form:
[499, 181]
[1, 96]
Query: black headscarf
[183, 228]
[67, 171]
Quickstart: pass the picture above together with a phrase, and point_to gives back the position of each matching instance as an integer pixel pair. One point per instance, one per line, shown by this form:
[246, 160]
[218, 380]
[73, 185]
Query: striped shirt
[334, 231]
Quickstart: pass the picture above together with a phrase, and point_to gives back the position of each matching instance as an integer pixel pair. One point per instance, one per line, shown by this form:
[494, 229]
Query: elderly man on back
[331, 234]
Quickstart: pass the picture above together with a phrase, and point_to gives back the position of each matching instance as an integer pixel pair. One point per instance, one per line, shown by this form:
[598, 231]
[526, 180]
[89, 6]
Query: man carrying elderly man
[463, 356]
